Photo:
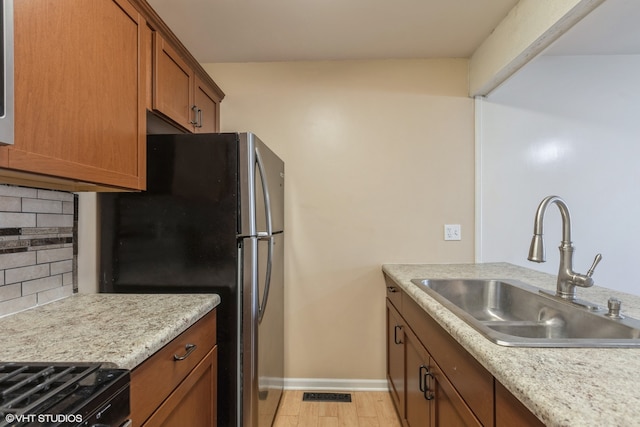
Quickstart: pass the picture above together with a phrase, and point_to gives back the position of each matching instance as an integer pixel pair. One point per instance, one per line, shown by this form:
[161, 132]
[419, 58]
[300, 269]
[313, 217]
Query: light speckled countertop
[119, 330]
[562, 386]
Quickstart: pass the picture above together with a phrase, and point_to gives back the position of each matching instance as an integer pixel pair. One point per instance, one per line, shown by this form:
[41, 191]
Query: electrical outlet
[452, 232]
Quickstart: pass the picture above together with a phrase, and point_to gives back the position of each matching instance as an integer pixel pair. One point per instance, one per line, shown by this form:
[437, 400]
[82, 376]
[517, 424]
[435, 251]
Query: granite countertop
[118, 330]
[561, 386]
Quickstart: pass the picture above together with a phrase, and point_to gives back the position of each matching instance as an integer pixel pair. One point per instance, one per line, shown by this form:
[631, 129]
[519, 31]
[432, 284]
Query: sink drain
[326, 397]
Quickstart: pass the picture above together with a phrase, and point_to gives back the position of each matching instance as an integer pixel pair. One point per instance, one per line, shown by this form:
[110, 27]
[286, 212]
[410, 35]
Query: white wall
[567, 126]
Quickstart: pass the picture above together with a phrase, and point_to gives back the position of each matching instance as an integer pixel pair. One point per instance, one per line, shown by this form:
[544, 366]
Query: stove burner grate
[33, 387]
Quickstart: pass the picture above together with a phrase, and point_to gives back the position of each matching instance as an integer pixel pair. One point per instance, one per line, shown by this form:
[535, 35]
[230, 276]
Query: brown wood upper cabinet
[179, 93]
[79, 95]
[84, 79]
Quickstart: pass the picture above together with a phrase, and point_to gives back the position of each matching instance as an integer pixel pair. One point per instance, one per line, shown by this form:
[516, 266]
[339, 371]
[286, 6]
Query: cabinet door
[173, 81]
[395, 358]
[207, 108]
[163, 373]
[449, 409]
[79, 94]
[418, 394]
[471, 380]
[511, 412]
[193, 402]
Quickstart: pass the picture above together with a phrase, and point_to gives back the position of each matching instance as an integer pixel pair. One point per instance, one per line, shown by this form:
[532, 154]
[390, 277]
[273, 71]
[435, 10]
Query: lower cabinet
[395, 357]
[419, 387]
[511, 412]
[434, 381]
[190, 404]
[430, 398]
[178, 384]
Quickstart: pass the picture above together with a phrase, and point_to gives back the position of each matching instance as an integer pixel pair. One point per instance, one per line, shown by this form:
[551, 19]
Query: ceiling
[295, 30]
[611, 29]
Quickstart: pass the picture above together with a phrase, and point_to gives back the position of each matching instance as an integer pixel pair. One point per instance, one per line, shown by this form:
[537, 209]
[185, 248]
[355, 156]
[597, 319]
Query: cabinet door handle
[395, 334]
[422, 377]
[392, 289]
[194, 121]
[424, 382]
[199, 118]
[190, 348]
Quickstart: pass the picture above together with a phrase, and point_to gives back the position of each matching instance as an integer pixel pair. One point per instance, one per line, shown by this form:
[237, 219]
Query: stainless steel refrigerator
[210, 221]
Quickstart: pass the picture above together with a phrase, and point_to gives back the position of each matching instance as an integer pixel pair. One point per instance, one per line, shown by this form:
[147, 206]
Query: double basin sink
[513, 313]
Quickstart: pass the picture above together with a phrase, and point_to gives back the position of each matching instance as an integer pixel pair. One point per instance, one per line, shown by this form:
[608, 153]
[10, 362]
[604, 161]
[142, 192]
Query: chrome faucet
[567, 278]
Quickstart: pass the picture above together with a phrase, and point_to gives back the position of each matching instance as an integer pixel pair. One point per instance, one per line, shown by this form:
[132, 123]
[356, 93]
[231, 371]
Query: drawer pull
[392, 289]
[190, 349]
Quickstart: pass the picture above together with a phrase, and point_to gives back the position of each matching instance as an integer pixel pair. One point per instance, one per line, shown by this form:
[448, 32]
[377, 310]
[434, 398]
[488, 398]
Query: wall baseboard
[335, 384]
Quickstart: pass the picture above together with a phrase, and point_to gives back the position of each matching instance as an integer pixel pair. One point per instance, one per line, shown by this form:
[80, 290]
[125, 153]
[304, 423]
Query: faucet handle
[596, 260]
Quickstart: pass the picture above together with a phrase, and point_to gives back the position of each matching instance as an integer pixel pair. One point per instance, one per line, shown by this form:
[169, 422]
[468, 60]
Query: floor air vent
[326, 397]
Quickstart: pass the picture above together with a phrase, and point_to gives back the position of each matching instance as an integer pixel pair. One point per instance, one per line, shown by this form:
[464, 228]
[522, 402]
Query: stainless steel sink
[513, 313]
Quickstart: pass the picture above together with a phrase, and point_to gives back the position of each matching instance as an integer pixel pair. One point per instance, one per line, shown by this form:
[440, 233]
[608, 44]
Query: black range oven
[63, 395]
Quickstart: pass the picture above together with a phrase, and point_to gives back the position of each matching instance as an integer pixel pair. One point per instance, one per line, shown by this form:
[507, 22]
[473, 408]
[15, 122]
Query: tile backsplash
[38, 247]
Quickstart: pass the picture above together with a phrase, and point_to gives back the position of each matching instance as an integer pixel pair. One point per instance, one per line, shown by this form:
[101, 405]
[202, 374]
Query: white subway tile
[55, 195]
[10, 204]
[10, 190]
[51, 220]
[39, 285]
[10, 219]
[42, 206]
[15, 275]
[10, 292]
[54, 294]
[61, 267]
[67, 208]
[18, 259]
[18, 304]
[53, 255]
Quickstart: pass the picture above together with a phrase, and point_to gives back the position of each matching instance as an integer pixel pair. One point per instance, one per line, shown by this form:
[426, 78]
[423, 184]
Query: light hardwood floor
[367, 409]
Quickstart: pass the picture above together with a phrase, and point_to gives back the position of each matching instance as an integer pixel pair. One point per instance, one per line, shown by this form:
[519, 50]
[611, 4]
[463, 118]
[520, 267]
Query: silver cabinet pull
[190, 349]
[199, 118]
[194, 122]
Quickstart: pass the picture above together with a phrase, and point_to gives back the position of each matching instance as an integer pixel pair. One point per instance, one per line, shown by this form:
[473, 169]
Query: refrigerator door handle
[265, 192]
[265, 235]
[267, 280]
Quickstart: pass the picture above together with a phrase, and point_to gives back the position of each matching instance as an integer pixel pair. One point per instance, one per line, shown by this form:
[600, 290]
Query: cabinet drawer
[472, 381]
[154, 380]
[192, 403]
[394, 293]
